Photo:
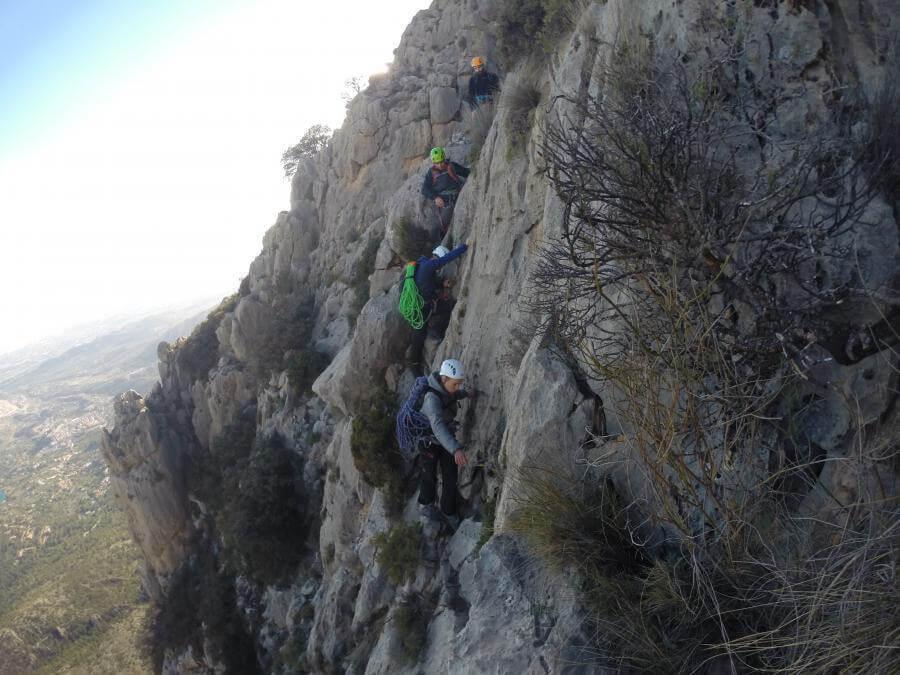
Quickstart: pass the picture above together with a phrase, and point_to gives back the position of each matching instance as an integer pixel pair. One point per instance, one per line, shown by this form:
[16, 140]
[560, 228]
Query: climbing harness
[411, 302]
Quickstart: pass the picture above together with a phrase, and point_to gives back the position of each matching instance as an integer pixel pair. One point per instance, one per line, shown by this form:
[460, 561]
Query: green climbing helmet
[438, 155]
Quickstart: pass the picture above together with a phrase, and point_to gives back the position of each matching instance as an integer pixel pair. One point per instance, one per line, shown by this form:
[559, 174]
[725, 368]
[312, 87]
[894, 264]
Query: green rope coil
[411, 302]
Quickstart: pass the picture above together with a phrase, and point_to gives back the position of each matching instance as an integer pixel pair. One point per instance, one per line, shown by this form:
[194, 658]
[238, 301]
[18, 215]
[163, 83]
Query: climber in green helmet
[437, 301]
[441, 185]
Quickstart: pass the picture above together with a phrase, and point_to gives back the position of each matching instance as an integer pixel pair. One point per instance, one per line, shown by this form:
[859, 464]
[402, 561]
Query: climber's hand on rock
[439, 202]
[460, 457]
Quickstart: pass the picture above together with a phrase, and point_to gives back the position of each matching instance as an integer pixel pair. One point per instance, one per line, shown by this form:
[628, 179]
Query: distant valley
[69, 590]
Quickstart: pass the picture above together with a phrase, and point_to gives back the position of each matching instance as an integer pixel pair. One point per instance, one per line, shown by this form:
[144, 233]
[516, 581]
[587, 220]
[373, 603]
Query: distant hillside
[69, 592]
[123, 356]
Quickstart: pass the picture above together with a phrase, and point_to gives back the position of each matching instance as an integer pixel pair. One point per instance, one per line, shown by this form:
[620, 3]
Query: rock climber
[441, 185]
[440, 447]
[438, 303]
[482, 84]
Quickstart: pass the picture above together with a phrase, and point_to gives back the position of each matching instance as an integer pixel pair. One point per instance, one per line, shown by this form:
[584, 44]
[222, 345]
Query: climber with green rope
[425, 300]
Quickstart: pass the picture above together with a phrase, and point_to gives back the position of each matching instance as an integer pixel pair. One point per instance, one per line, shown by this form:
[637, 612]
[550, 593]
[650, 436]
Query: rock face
[490, 608]
[146, 463]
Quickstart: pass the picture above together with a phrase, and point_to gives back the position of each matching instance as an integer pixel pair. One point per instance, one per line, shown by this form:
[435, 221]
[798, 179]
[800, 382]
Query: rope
[411, 302]
[412, 425]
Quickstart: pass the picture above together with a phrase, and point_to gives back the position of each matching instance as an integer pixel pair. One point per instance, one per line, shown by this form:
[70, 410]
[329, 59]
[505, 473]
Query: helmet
[478, 62]
[438, 155]
[453, 369]
[440, 251]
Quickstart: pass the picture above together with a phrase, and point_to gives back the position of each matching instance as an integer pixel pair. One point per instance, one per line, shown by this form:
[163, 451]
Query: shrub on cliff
[200, 607]
[411, 619]
[524, 24]
[313, 141]
[199, 352]
[398, 551]
[304, 365]
[374, 449]
[254, 492]
[410, 240]
[293, 319]
[263, 521]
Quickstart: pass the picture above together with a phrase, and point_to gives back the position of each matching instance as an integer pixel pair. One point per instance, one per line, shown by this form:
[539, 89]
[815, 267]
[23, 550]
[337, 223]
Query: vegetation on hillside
[68, 568]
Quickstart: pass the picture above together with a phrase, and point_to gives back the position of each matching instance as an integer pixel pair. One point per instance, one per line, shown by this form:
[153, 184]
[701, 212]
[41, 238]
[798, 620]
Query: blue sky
[57, 56]
[140, 142]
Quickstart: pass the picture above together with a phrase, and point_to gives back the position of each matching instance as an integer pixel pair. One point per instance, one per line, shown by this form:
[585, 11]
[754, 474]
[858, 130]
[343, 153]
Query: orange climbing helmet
[478, 63]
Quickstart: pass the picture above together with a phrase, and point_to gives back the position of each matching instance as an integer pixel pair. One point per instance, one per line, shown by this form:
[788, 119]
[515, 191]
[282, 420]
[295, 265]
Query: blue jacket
[427, 272]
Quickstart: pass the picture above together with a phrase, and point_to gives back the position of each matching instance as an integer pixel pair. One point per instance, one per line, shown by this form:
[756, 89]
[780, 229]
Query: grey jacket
[441, 412]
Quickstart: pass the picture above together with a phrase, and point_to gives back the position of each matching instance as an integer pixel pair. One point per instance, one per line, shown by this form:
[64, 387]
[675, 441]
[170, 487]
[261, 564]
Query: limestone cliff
[326, 283]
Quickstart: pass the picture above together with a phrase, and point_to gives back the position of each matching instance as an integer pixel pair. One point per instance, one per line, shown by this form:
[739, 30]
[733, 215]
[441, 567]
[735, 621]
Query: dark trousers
[443, 218]
[435, 324]
[430, 458]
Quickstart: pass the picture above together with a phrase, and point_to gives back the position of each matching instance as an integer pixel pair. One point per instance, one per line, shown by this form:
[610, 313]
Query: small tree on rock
[311, 143]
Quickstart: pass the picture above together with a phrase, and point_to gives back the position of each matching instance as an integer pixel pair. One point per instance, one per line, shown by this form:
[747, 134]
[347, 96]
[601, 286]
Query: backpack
[412, 425]
[412, 304]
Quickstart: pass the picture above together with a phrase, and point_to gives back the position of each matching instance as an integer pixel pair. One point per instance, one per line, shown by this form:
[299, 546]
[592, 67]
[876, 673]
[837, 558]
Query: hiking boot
[428, 513]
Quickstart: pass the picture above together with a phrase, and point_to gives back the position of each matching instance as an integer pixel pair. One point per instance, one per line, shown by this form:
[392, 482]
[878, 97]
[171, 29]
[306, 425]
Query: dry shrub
[478, 125]
[410, 240]
[764, 601]
[521, 98]
[526, 26]
[686, 282]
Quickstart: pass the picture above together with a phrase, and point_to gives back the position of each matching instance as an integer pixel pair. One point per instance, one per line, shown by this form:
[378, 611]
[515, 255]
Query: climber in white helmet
[440, 405]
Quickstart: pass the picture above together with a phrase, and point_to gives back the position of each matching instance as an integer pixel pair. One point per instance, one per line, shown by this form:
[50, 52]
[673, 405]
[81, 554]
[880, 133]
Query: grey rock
[444, 104]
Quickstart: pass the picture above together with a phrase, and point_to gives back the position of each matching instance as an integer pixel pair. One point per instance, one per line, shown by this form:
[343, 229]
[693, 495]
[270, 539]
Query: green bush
[411, 620]
[398, 551]
[254, 492]
[313, 141]
[200, 604]
[264, 521]
[304, 366]
[291, 329]
[375, 452]
[199, 352]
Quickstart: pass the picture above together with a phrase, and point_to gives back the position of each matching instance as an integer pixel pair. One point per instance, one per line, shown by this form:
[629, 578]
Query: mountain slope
[672, 393]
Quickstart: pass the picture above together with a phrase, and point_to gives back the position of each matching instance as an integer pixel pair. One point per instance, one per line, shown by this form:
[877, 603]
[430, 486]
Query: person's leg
[448, 478]
[440, 317]
[447, 216]
[417, 345]
[428, 481]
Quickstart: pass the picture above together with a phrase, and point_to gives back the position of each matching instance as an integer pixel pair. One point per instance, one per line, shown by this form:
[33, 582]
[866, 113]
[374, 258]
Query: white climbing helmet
[453, 369]
[440, 251]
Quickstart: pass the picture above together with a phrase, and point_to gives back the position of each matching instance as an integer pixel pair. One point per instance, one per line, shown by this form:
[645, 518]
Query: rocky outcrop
[146, 464]
[490, 608]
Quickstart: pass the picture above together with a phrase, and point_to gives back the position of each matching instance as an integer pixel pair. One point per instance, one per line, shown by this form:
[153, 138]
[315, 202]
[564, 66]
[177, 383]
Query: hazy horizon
[140, 146]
